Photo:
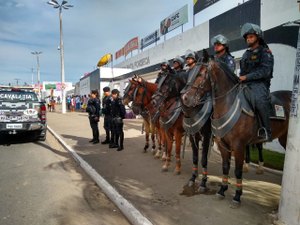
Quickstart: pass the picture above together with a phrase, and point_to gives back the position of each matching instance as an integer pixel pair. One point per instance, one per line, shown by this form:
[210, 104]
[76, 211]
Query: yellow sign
[104, 60]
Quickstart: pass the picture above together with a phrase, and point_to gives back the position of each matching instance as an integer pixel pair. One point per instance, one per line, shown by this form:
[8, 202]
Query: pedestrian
[106, 111]
[257, 71]
[118, 114]
[222, 53]
[93, 109]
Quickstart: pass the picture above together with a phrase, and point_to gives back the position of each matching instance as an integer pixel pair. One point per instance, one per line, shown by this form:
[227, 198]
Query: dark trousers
[107, 126]
[95, 130]
[117, 132]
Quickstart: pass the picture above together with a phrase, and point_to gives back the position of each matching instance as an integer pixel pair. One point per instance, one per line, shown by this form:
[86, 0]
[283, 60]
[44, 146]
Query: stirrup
[262, 134]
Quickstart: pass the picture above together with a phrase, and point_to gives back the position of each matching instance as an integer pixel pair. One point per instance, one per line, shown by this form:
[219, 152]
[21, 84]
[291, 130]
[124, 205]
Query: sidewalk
[138, 177]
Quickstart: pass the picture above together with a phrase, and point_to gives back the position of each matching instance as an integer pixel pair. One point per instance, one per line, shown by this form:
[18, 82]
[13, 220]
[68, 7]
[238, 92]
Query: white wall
[276, 12]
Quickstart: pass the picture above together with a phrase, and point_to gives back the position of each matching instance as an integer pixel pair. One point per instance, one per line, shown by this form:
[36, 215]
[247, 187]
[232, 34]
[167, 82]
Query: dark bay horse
[141, 105]
[233, 124]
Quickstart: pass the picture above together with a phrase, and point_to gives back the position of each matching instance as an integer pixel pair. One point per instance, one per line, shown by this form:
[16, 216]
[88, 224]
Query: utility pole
[289, 206]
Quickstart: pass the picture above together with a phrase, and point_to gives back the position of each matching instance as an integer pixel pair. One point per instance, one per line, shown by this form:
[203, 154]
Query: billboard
[119, 53]
[175, 20]
[149, 39]
[199, 5]
[131, 45]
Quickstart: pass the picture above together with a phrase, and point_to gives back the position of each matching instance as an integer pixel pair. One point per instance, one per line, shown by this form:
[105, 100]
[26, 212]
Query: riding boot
[264, 132]
[121, 147]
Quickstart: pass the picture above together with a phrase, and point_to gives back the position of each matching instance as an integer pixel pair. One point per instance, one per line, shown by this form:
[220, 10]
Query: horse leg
[178, 140]
[147, 141]
[226, 157]
[153, 141]
[239, 160]
[159, 140]
[205, 148]
[247, 160]
[260, 168]
[195, 161]
[168, 148]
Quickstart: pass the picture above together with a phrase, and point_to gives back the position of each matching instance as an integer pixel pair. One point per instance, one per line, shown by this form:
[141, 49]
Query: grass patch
[273, 160]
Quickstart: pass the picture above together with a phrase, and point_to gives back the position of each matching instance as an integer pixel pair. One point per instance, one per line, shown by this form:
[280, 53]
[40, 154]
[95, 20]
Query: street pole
[62, 63]
[61, 6]
[289, 206]
[38, 70]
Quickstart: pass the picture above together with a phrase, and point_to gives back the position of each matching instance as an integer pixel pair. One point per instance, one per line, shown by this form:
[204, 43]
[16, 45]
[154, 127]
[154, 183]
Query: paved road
[41, 185]
[138, 177]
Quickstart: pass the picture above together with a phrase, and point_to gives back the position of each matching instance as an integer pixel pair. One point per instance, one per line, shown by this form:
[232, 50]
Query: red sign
[119, 53]
[131, 45]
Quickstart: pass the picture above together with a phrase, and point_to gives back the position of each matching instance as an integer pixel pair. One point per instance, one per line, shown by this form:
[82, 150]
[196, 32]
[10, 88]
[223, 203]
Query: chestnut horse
[234, 125]
[140, 110]
[141, 104]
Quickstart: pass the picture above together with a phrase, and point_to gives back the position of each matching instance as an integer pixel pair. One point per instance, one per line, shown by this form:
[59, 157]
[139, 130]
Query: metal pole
[289, 206]
[38, 73]
[62, 63]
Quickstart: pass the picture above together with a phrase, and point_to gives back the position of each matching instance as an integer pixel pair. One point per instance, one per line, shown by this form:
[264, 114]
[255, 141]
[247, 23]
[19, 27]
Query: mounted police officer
[164, 70]
[93, 109]
[257, 71]
[106, 110]
[118, 114]
[222, 53]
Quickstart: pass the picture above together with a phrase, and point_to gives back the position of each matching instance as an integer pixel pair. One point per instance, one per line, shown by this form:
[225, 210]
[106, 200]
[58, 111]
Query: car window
[15, 96]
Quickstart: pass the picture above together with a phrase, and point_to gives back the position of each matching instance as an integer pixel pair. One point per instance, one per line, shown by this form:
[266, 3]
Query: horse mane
[223, 66]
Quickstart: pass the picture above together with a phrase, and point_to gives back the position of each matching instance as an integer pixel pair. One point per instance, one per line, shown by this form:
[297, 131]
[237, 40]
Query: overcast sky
[91, 29]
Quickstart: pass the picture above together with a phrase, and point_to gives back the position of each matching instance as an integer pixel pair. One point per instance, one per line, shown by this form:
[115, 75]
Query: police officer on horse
[164, 70]
[222, 53]
[257, 71]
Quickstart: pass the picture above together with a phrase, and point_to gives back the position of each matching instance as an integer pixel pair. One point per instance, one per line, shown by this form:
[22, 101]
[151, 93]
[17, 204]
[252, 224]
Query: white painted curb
[132, 214]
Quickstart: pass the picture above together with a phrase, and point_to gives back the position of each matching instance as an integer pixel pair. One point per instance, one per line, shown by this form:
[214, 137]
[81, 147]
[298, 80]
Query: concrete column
[289, 207]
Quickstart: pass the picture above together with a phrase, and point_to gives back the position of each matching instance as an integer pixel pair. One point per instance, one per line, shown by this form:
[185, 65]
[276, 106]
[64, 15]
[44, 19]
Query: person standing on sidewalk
[106, 110]
[93, 108]
[118, 114]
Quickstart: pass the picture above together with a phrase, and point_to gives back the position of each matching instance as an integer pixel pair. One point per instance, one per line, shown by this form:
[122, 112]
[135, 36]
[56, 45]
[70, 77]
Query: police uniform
[93, 109]
[257, 65]
[228, 60]
[118, 114]
[106, 111]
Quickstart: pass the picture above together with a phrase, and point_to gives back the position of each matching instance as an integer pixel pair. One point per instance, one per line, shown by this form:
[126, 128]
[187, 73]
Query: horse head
[129, 91]
[197, 86]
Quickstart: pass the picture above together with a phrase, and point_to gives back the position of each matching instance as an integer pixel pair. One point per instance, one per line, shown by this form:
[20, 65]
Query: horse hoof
[259, 171]
[235, 204]
[164, 169]
[220, 196]
[202, 189]
[191, 183]
[177, 172]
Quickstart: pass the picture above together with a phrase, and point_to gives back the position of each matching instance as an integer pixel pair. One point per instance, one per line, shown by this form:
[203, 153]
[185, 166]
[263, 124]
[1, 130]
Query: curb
[273, 171]
[131, 213]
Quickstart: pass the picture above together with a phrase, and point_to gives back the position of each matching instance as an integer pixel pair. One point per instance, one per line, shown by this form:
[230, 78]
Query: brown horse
[171, 120]
[234, 125]
[141, 105]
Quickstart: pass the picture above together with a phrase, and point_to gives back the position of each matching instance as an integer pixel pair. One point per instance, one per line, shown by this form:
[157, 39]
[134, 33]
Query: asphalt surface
[138, 177]
[40, 184]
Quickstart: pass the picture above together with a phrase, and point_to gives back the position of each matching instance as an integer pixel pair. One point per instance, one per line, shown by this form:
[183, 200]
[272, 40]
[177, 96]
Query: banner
[119, 53]
[131, 45]
[175, 20]
[151, 38]
[199, 5]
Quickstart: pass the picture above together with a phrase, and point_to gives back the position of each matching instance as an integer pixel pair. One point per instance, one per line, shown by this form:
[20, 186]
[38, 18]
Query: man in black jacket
[93, 108]
[118, 114]
[257, 71]
[106, 110]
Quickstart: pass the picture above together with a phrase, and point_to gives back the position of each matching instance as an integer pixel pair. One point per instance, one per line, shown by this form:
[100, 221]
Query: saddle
[276, 107]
